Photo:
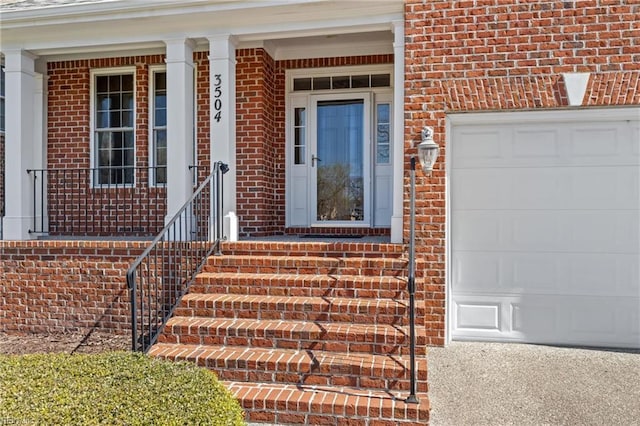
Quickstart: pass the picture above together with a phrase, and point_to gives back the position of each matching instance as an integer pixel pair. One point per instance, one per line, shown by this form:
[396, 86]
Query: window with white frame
[159, 127]
[114, 128]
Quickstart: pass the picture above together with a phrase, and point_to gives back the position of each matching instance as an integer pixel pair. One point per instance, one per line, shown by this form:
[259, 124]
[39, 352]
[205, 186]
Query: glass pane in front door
[339, 160]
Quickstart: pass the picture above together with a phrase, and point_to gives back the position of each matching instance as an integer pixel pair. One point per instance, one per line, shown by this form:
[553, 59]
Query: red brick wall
[203, 128]
[255, 150]
[476, 55]
[64, 286]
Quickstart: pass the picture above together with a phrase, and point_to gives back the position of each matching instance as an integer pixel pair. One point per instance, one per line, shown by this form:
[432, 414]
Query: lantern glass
[428, 152]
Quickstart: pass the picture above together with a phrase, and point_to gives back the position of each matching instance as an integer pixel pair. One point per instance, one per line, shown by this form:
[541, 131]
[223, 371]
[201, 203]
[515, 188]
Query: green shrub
[116, 388]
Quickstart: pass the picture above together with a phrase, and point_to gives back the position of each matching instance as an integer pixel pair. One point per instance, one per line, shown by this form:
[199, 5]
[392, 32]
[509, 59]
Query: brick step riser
[351, 343]
[301, 291]
[307, 270]
[293, 291]
[311, 379]
[348, 408]
[375, 317]
[336, 250]
[285, 417]
[327, 375]
[328, 254]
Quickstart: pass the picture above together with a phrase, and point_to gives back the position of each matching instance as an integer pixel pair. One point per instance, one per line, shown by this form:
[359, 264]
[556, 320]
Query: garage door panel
[478, 316]
[476, 271]
[472, 186]
[477, 230]
[545, 229]
[534, 319]
[536, 272]
[546, 145]
[535, 144]
[587, 143]
[544, 319]
[616, 320]
[604, 187]
[602, 231]
[513, 274]
[478, 145]
[534, 231]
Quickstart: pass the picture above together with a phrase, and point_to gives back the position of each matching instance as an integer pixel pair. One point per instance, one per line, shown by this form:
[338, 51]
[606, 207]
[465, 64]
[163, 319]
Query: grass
[111, 388]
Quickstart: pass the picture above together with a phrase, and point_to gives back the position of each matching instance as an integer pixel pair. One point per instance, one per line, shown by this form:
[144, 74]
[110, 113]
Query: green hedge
[116, 388]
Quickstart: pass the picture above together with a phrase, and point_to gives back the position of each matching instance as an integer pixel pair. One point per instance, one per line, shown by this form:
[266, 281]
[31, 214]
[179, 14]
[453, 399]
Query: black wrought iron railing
[105, 201]
[159, 278]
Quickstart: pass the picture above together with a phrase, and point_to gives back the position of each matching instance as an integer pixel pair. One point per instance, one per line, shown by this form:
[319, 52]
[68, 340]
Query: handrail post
[412, 399]
[219, 212]
[35, 206]
[131, 282]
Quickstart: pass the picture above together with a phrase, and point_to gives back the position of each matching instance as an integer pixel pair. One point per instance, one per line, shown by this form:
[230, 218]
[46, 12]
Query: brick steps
[318, 248]
[307, 265]
[351, 310]
[306, 333]
[318, 405]
[299, 335]
[305, 285]
[250, 364]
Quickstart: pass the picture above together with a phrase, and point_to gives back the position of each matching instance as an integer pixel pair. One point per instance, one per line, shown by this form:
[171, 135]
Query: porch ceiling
[59, 29]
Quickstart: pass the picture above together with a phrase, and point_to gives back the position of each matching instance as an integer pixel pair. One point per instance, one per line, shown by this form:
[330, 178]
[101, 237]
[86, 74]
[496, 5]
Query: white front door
[340, 160]
[339, 148]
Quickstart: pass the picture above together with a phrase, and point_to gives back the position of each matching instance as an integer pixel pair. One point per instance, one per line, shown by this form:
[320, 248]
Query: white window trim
[92, 125]
[153, 69]
[3, 97]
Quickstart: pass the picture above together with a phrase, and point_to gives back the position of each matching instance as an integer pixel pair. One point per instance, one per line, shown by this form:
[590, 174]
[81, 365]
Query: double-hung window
[114, 124]
[159, 127]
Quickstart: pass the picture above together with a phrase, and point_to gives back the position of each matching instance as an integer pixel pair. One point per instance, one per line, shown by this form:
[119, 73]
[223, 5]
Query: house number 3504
[217, 94]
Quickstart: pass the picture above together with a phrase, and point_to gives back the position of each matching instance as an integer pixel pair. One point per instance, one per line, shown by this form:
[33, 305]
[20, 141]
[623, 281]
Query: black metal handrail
[161, 275]
[104, 201]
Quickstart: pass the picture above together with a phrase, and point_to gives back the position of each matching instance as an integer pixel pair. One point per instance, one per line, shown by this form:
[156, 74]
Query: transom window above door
[336, 82]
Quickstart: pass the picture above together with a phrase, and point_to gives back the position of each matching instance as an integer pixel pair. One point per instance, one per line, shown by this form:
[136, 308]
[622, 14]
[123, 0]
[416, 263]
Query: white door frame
[304, 99]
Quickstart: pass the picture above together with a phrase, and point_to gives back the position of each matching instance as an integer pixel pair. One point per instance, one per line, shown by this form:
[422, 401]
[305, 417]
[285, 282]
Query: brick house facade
[456, 56]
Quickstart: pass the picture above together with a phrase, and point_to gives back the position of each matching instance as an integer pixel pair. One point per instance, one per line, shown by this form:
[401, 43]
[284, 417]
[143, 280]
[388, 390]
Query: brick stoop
[306, 333]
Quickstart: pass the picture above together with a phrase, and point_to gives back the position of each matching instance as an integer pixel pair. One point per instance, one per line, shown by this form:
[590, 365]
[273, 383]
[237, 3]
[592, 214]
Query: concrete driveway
[514, 384]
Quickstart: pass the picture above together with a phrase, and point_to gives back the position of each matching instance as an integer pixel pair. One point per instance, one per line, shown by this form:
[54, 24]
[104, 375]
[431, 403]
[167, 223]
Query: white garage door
[545, 234]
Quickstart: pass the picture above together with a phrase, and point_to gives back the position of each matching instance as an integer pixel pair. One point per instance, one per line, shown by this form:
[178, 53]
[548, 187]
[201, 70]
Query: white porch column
[40, 140]
[222, 68]
[179, 123]
[398, 132]
[21, 138]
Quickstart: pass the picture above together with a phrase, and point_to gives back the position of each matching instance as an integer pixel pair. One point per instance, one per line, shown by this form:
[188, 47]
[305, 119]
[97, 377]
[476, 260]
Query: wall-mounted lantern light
[427, 154]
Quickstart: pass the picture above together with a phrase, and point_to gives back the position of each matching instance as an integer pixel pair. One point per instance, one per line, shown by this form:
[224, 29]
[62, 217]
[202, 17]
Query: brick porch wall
[496, 55]
[65, 286]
